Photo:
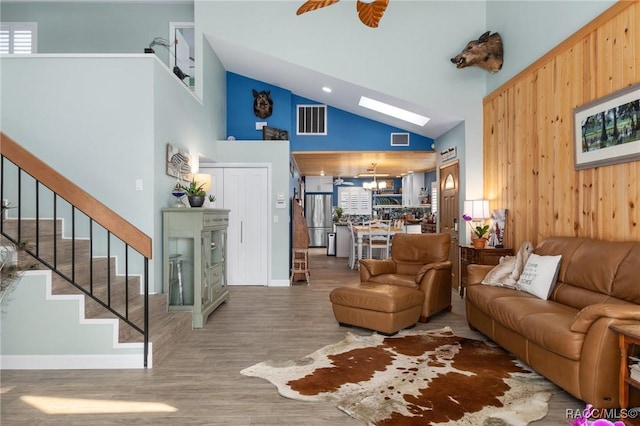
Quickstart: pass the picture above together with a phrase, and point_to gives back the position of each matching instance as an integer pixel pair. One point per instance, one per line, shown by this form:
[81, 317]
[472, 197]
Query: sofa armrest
[589, 314]
[372, 267]
[476, 273]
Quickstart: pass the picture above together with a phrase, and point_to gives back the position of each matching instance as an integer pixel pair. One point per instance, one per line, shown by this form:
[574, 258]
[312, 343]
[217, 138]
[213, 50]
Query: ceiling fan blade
[371, 13]
[310, 5]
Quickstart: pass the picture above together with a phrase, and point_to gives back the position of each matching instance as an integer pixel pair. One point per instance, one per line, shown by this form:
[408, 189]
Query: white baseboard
[74, 362]
[279, 283]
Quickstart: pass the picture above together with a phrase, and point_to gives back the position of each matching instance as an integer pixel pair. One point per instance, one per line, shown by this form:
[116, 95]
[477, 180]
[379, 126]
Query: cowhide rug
[414, 378]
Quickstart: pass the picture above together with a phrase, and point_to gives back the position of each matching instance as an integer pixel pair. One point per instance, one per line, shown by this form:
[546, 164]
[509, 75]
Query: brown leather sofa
[567, 338]
[418, 261]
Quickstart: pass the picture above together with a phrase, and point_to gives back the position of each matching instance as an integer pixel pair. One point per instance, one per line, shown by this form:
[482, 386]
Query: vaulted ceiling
[345, 96]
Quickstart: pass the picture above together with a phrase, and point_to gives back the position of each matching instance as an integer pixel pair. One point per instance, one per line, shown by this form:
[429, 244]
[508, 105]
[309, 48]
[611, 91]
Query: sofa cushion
[420, 248]
[530, 317]
[561, 340]
[377, 297]
[586, 266]
[539, 275]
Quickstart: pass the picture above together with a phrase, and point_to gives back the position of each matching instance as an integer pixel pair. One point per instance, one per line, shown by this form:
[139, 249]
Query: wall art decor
[497, 228]
[273, 134]
[607, 131]
[178, 163]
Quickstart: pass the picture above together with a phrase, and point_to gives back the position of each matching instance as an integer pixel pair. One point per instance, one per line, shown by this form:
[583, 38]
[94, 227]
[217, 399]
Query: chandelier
[374, 185]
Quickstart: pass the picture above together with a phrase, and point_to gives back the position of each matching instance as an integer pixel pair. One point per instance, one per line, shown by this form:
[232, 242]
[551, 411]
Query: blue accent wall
[345, 131]
[241, 121]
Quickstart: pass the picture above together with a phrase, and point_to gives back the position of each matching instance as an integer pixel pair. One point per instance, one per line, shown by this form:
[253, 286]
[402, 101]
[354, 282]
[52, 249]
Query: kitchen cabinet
[413, 228]
[343, 240]
[411, 185]
[318, 184]
[194, 253]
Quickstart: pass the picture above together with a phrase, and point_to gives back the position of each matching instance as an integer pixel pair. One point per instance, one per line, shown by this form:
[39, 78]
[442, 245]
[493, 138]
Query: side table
[480, 256]
[628, 336]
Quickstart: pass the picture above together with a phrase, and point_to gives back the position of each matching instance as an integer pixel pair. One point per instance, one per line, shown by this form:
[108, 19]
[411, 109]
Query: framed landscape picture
[607, 131]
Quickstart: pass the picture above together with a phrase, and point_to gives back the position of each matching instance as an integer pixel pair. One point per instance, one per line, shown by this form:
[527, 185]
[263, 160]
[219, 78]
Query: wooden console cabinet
[629, 342]
[194, 255]
[484, 256]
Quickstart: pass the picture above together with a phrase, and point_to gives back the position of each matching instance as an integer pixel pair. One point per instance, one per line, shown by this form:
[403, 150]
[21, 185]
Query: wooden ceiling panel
[348, 164]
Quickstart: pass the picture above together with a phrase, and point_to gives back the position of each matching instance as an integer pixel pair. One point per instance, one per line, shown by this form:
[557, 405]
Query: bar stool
[300, 264]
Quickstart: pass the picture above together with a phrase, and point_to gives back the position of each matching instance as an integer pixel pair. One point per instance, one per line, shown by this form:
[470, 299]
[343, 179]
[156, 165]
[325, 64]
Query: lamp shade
[477, 209]
[203, 178]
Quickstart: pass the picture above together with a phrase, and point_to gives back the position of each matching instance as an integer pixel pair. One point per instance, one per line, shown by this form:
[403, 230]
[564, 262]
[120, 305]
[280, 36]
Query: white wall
[529, 29]
[70, 112]
[104, 122]
[187, 123]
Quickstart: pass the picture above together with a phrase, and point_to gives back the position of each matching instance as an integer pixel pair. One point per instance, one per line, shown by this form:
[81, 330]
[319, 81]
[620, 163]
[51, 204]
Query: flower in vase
[479, 231]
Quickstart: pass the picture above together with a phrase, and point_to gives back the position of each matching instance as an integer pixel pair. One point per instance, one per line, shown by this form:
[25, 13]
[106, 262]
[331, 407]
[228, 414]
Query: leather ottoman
[381, 307]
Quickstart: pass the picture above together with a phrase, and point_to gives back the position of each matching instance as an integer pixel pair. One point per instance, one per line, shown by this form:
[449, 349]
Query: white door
[245, 194]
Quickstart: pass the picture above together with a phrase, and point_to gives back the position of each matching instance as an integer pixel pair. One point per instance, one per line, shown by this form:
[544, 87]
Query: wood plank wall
[528, 138]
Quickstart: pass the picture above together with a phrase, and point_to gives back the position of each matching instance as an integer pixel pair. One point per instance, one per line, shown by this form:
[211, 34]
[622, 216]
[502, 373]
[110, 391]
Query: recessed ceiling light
[326, 89]
[393, 111]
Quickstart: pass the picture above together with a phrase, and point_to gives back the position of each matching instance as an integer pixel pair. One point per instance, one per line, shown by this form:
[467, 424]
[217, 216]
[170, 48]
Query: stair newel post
[146, 310]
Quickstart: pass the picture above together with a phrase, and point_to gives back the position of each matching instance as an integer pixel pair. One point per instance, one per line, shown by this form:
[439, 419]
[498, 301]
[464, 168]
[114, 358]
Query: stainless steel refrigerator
[318, 211]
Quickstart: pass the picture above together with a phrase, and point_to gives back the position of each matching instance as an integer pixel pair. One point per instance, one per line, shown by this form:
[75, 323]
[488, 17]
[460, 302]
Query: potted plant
[478, 231]
[195, 193]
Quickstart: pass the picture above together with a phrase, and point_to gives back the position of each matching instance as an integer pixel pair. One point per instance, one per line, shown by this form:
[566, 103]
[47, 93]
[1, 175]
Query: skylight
[393, 111]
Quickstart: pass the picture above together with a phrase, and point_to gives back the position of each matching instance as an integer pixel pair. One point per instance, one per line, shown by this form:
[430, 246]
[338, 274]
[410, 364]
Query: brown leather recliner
[417, 261]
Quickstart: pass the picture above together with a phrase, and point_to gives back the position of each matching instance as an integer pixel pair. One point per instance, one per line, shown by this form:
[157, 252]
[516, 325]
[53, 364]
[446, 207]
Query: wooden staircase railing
[81, 203]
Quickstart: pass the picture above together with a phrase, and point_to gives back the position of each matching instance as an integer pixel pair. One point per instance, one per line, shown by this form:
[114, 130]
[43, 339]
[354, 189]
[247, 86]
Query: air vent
[399, 139]
[312, 120]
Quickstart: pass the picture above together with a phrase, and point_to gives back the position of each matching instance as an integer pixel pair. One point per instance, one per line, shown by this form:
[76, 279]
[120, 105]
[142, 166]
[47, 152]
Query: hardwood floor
[199, 383]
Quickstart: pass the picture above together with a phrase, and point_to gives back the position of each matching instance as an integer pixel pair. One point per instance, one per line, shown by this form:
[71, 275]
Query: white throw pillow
[539, 275]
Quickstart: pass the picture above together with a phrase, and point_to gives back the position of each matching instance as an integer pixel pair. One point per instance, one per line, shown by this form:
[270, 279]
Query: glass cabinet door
[209, 247]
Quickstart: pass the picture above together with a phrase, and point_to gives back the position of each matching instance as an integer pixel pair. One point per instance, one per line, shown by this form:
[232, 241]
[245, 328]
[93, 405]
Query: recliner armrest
[372, 267]
[426, 268]
[589, 314]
